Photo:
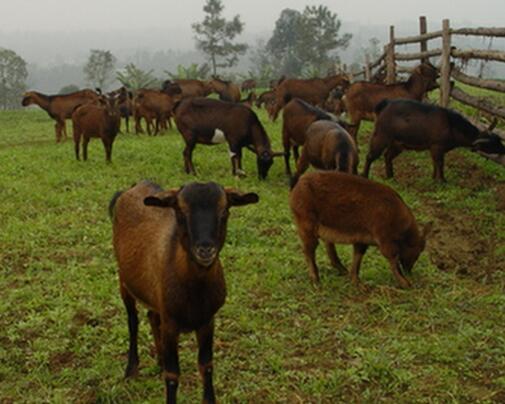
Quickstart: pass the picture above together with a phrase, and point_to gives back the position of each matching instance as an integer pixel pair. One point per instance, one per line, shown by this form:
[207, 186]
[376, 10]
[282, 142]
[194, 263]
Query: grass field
[63, 331]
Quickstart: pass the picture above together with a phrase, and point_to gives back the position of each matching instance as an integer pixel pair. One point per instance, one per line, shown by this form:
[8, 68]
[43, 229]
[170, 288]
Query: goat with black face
[209, 122]
[167, 246]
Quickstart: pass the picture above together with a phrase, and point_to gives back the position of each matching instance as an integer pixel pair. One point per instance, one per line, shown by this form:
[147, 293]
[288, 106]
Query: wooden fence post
[368, 73]
[423, 29]
[445, 66]
[390, 58]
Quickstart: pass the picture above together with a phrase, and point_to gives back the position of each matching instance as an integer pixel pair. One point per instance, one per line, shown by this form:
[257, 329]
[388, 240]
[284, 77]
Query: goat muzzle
[205, 255]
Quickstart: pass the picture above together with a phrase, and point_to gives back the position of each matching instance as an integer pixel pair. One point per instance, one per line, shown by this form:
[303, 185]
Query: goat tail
[112, 203]
[381, 105]
[342, 158]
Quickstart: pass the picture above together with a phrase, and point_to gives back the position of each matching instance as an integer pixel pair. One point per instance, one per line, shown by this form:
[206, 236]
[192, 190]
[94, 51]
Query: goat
[189, 87]
[413, 125]
[100, 120]
[158, 104]
[125, 104]
[348, 209]
[167, 246]
[227, 90]
[328, 146]
[249, 100]
[208, 121]
[297, 116]
[361, 98]
[313, 91]
[248, 85]
[266, 97]
[59, 107]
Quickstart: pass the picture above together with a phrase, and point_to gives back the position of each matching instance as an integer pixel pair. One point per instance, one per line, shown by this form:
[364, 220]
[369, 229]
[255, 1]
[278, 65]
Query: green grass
[63, 331]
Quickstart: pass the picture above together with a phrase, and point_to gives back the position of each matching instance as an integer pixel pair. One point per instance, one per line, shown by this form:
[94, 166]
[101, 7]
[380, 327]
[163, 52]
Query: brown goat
[297, 116]
[59, 107]
[248, 85]
[167, 246]
[158, 104]
[348, 209]
[313, 91]
[190, 88]
[100, 120]
[125, 104]
[413, 125]
[328, 146]
[227, 90]
[208, 121]
[361, 98]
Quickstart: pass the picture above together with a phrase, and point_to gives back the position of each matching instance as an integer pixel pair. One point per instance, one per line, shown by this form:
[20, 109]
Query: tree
[13, 75]
[134, 78]
[70, 88]
[306, 41]
[214, 36]
[99, 70]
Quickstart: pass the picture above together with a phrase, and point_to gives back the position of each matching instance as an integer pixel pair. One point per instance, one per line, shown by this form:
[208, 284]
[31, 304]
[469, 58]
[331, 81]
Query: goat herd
[167, 242]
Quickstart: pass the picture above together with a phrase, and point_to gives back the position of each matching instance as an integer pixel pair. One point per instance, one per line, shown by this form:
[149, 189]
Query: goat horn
[278, 154]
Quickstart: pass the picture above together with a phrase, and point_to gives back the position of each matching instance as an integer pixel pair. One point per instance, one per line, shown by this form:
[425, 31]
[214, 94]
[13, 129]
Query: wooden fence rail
[447, 53]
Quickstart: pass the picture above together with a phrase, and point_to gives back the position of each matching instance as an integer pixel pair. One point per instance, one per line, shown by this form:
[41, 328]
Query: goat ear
[164, 199]
[237, 198]
[427, 228]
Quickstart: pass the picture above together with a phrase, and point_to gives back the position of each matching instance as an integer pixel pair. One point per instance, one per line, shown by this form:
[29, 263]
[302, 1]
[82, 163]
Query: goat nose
[206, 251]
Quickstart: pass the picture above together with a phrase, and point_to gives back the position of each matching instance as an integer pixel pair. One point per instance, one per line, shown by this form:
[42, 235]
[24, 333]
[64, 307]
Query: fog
[60, 33]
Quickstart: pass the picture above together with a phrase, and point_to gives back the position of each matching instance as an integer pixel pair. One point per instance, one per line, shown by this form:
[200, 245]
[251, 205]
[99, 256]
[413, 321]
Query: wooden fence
[448, 54]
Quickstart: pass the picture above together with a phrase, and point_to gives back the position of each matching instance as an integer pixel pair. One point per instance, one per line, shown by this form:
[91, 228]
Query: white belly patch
[218, 137]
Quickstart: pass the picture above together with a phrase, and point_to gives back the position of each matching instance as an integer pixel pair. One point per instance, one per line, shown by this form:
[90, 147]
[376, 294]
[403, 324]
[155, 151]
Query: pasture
[63, 330]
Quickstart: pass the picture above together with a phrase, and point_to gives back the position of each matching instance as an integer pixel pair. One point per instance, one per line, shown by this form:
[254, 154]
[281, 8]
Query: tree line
[303, 43]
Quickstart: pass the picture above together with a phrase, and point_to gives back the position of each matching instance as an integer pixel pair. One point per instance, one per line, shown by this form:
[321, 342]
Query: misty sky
[259, 15]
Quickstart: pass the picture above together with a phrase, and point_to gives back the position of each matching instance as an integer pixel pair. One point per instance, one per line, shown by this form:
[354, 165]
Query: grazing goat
[189, 88]
[328, 146]
[101, 120]
[210, 122]
[248, 85]
[266, 97]
[413, 125]
[59, 107]
[348, 209]
[361, 98]
[313, 91]
[227, 90]
[167, 246]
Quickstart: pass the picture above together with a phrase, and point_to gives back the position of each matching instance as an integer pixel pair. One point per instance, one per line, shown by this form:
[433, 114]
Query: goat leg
[359, 251]
[133, 325]
[334, 258]
[205, 337]
[170, 358]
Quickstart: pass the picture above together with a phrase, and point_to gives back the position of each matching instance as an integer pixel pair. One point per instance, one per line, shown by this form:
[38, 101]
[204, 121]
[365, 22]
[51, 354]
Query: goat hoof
[240, 173]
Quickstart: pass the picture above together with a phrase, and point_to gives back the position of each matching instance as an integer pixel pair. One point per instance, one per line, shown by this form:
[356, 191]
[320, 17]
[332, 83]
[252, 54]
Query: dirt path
[456, 244]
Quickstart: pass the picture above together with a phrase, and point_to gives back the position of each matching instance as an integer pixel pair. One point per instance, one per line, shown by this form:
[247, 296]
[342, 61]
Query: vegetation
[99, 70]
[214, 36]
[13, 75]
[64, 331]
[305, 40]
[193, 71]
[134, 78]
